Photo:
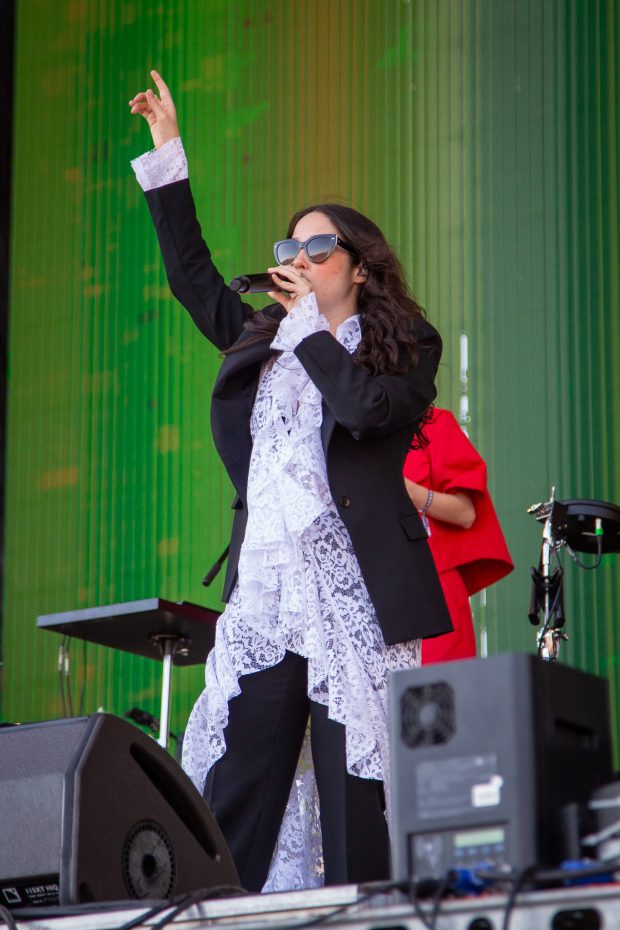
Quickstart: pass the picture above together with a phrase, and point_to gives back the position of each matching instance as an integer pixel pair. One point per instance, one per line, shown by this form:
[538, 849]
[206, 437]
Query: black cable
[324, 918]
[226, 891]
[440, 892]
[532, 875]
[148, 915]
[548, 877]
[525, 875]
[563, 876]
[599, 556]
[517, 879]
[197, 897]
[417, 907]
[7, 918]
[312, 922]
[411, 889]
[194, 898]
[180, 903]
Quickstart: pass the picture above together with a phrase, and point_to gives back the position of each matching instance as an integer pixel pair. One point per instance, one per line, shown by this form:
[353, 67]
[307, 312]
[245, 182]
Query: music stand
[155, 628]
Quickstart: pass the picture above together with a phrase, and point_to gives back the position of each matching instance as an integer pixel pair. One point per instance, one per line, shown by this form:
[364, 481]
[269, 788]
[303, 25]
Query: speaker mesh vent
[427, 715]
[149, 864]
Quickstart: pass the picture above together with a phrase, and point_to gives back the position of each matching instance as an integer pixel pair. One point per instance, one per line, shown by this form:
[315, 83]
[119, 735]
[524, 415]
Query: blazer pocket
[413, 526]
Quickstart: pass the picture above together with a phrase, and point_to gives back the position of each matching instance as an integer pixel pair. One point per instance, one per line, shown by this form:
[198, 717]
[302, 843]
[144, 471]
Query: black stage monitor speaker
[92, 809]
[484, 755]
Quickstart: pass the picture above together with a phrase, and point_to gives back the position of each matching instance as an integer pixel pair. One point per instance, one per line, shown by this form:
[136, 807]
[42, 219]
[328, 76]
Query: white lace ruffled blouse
[300, 589]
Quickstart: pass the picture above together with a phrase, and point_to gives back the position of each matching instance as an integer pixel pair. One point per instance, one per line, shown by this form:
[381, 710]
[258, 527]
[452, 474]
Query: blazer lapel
[248, 355]
[246, 358]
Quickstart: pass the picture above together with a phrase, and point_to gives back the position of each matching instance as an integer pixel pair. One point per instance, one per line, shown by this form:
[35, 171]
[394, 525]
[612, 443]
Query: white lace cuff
[161, 166]
[304, 319]
[349, 333]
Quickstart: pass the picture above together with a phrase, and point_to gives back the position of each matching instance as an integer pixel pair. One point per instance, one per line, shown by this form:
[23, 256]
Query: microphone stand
[547, 587]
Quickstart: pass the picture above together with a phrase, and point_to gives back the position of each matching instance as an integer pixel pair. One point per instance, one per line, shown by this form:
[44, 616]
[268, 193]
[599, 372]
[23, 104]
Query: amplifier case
[484, 755]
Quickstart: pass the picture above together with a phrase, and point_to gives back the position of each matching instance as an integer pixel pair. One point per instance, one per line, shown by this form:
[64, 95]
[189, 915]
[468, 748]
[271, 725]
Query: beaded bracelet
[427, 504]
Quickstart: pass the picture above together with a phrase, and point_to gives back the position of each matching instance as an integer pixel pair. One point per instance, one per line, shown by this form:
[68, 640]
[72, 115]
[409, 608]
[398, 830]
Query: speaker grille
[149, 867]
[427, 715]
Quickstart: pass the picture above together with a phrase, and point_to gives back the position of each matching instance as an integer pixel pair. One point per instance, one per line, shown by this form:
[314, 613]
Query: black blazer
[368, 424]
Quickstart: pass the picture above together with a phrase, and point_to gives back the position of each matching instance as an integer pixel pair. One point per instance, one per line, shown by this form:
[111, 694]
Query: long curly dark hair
[386, 307]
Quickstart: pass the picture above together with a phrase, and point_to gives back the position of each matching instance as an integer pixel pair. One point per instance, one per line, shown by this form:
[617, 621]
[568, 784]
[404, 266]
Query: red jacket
[479, 554]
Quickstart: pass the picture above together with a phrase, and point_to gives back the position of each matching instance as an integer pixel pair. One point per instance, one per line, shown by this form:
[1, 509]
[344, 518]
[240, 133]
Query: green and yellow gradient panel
[482, 136]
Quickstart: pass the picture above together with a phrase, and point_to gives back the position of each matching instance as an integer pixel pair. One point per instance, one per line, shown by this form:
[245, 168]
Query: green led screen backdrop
[482, 136]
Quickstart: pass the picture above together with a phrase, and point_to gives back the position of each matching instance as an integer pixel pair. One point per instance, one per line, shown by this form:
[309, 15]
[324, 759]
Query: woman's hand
[293, 283]
[159, 112]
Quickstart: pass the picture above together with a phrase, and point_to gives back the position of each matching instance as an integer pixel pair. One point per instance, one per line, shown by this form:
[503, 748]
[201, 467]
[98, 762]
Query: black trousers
[247, 789]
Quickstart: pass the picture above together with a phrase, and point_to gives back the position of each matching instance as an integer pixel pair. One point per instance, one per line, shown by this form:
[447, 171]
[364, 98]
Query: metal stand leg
[547, 585]
[166, 685]
[548, 642]
[169, 645]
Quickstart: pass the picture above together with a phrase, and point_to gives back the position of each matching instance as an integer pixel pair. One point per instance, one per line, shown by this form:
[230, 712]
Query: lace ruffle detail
[304, 319]
[161, 166]
[298, 860]
[287, 491]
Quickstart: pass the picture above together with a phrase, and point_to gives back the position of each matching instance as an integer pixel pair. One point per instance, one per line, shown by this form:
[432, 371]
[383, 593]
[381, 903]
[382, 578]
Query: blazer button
[345, 501]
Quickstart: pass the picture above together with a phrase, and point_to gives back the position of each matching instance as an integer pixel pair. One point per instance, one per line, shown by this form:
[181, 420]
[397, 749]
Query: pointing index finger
[162, 87]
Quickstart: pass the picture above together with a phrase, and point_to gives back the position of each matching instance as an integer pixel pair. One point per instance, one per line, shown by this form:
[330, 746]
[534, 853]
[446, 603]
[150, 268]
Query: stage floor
[347, 906]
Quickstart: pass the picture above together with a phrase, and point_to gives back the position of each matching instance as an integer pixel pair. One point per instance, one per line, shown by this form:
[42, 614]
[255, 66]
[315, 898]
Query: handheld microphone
[213, 571]
[253, 284]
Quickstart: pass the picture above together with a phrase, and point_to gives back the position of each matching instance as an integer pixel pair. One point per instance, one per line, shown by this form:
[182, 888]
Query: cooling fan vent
[428, 715]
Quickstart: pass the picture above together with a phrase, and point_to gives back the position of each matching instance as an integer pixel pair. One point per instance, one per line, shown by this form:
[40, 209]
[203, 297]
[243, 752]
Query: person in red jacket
[447, 482]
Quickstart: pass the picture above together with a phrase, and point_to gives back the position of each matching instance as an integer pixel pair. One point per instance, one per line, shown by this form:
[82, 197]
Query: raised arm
[194, 280]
